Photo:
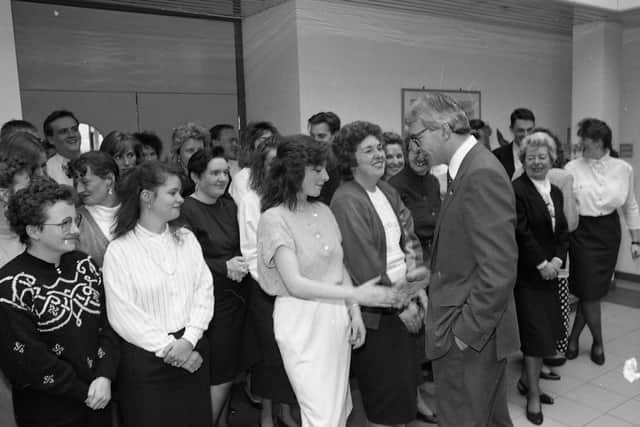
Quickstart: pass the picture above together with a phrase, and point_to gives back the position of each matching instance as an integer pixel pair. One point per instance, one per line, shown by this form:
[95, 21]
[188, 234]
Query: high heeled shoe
[544, 397]
[597, 358]
[535, 417]
[571, 353]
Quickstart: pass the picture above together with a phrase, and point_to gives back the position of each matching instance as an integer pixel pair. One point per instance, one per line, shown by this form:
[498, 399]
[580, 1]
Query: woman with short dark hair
[602, 185]
[65, 355]
[379, 240]
[95, 176]
[121, 147]
[160, 301]
[316, 316]
[149, 147]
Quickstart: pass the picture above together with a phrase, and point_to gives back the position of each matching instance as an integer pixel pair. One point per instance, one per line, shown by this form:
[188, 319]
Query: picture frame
[469, 100]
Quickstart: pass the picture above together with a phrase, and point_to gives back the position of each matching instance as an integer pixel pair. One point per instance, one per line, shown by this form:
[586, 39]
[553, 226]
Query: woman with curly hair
[160, 301]
[252, 137]
[149, 147]
[21, 157]
[121, 147]
[185, 141]
[95, 176]
[379, 240]
[316, 315]
[64, 355]
[394, 153]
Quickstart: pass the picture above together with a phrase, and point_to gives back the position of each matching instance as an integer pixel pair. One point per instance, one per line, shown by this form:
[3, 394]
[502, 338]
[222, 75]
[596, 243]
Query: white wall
[10, 107]
[630, 126]
[272, 87]
[355, 60]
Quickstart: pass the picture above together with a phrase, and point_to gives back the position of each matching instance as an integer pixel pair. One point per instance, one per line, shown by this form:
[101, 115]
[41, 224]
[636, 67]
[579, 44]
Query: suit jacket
[475, 256]
[505, 155]
[537, 239]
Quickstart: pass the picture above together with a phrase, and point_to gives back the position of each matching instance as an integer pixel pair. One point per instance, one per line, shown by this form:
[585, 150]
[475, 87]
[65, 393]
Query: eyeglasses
[415, 138]
[66, 223]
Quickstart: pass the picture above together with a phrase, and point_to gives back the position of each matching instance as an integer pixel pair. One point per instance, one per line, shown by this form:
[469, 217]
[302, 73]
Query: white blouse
[248, 219]
[155, 285]
[240, 185]
[604, 185]
[396, 265]
[105, 217]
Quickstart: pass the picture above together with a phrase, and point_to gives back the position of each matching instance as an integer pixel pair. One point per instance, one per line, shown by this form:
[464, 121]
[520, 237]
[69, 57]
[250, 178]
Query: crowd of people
[135, 291]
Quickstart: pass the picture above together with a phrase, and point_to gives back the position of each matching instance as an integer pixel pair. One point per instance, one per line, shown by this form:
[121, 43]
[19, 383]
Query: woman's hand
[179, 352]
[237, 268]
[193, 363]
[99, 394]
[548, 271]
[370, 294]
[357, 330]
[635, 250]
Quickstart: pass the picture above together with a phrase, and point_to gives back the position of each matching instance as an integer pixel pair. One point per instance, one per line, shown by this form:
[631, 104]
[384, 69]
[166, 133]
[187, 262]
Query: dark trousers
[471, 388]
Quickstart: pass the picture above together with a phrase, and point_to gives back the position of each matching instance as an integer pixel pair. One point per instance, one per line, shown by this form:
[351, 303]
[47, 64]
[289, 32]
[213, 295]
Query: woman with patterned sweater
[62, 354]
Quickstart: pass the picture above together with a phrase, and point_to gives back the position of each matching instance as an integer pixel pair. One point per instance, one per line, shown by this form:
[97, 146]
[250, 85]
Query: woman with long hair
[316, 315]
[160, 301]
[122, 147]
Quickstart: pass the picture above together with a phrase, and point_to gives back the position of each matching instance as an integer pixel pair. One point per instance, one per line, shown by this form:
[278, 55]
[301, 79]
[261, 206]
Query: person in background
[522, 123]
[316, 316]
[268, 379]
[481, 131]
[601, 185]
[379, 240]
[253, 135]
[543, 241]
[324, 127]
[186, 140]
[64, 356]
[160, 301]
[96, 175]
[149, 147]
[211, 214]
[21, 158]
[15, 126]
[61, 130]
[471, 325]
[122, 148]
[225, 136]
[394, 153]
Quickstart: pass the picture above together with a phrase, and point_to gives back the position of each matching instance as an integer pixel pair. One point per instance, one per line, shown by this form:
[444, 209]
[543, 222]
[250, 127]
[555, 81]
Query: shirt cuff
[192, 334]
[542, 265]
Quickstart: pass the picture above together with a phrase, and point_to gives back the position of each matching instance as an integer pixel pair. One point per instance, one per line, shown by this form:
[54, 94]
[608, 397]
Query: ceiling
[555, 16]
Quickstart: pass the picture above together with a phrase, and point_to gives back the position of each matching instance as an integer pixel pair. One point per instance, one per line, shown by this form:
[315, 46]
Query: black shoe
[571, 353]
[544, 397]
[554, 361]
[549, 376]
[429, 419]
[535, 417]
[597, 358]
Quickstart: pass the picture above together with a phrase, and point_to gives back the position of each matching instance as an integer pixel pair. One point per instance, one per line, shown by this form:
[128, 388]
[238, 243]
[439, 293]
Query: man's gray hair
[436, 107]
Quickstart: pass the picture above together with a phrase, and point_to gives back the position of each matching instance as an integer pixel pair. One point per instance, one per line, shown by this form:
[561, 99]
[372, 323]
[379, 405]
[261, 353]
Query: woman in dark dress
[212, 216]
[63, 355]
[543, 241]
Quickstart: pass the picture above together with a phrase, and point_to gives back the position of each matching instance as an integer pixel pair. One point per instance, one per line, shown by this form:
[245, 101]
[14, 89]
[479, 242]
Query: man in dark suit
[471, 324]
[522, 124]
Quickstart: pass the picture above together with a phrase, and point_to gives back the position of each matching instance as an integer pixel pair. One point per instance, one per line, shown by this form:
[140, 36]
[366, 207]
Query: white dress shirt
[603, 185]
[240, 185]
[155, 285]
[57, 169]
[460, 154]
[518, 169]
[248, 219]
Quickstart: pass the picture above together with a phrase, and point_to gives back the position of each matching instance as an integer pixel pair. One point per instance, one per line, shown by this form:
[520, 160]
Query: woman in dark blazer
[543, 241]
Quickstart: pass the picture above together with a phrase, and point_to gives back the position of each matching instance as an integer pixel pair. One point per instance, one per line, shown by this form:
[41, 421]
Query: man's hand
[99, 393]
[179, 353]
[412, 317]
[193, 363]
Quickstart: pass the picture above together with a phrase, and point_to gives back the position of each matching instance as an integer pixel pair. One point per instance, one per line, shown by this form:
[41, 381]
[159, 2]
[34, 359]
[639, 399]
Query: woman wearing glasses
[160, 301]
[95, 175]
[379, 240]
[63, 355]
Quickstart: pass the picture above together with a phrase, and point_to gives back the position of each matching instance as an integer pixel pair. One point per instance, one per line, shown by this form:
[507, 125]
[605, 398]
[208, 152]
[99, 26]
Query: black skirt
[268, 377]
[154, 394]
[593, 253]
[388, 371]
[539, 320]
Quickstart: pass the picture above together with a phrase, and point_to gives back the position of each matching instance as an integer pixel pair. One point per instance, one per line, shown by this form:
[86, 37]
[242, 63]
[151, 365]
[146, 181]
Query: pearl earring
[110, 192]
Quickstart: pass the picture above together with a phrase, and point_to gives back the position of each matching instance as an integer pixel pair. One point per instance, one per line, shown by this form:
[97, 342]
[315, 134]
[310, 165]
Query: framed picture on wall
[469, 100]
